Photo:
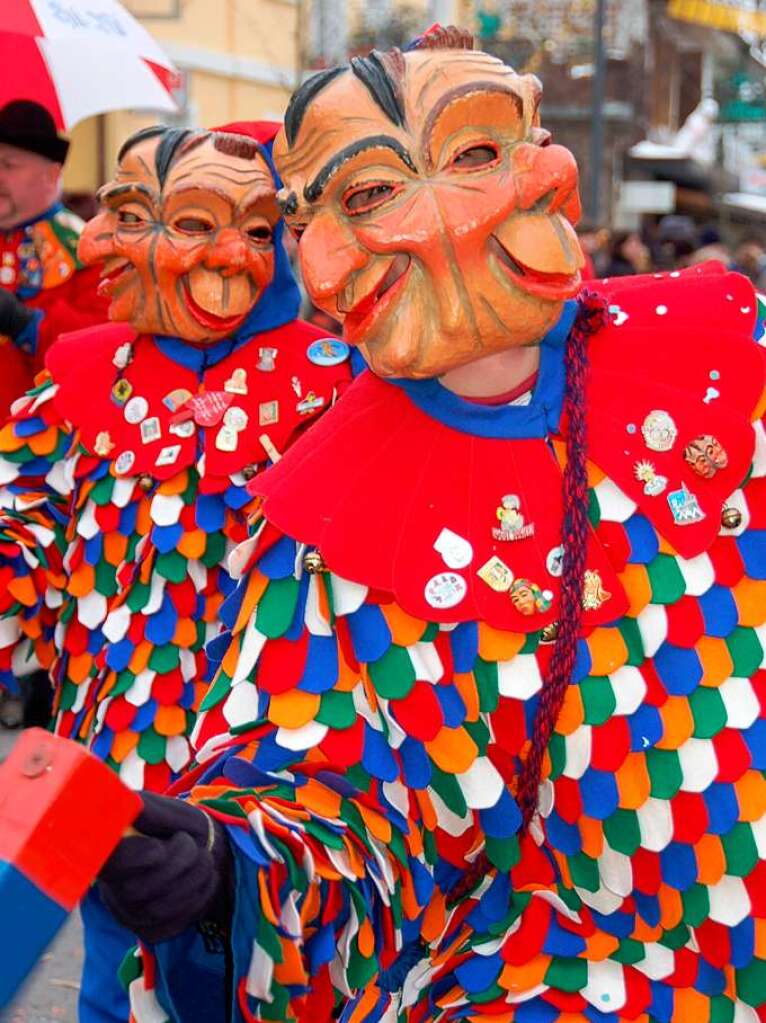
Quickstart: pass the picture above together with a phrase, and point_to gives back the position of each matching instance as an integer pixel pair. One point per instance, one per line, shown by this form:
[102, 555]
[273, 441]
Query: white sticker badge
[456, 551]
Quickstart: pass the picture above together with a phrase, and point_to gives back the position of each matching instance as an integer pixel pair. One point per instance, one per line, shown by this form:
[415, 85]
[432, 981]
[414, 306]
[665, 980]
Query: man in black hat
[44, 289]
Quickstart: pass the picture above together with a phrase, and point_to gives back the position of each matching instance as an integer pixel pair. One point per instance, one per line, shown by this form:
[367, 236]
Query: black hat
[28, 125]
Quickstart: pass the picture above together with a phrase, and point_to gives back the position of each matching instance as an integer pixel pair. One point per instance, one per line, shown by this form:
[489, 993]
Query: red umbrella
[81, 57]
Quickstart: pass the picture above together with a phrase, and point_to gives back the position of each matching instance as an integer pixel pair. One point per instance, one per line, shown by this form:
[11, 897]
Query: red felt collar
[378, 481]
[276, 405]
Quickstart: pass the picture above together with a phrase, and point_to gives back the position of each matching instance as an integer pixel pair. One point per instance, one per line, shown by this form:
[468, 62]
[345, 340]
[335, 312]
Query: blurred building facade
[684, 110]
[238, 59]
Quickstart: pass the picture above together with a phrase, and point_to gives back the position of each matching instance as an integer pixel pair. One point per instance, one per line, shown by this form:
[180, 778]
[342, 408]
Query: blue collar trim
[197, 359]
[538, 419]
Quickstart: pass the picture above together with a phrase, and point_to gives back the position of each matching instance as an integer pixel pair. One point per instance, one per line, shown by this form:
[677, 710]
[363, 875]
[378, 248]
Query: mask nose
[96, 242]
[547, 176]
[228, 253]
[329, 255]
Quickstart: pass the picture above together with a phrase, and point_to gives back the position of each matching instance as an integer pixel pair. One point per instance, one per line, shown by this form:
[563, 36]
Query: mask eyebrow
[314, 189]
[466, 90]
[110, 194]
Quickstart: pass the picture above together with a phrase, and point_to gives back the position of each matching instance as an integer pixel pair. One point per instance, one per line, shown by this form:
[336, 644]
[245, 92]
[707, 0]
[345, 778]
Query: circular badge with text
[445, 590]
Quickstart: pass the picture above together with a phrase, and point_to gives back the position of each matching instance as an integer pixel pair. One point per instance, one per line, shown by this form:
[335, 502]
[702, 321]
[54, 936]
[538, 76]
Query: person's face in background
[634, 250]
[29, 184]
[750, 257]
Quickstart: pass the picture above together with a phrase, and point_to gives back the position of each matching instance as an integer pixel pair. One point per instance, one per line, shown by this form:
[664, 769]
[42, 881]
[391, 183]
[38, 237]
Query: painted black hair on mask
[373, 71]
[298, 105]
[171, 141]
[375, 76]
[169, 145]
[140, 136]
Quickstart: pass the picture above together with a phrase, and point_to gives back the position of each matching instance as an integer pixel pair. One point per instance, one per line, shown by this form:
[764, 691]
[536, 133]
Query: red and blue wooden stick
[62, 812]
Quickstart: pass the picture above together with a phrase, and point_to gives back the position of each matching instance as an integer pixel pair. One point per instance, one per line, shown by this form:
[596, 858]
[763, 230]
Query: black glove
[176, 873]
[14, 315]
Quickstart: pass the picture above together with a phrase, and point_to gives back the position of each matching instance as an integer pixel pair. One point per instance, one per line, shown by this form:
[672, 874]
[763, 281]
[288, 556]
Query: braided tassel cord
[591, 317]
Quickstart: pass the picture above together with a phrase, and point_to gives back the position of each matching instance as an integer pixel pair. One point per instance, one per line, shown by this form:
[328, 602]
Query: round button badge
[235, 418]
[136, 410]
[445, 590]
[124, 462]
[327, 351]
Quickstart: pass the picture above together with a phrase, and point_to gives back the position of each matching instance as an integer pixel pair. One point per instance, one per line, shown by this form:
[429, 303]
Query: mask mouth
[552, 286]
[218, 324]
[114, 269]
[360, 317]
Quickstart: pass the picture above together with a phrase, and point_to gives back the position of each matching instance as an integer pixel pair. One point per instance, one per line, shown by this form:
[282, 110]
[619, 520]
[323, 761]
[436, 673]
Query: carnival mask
[186, 233]
[434, 218]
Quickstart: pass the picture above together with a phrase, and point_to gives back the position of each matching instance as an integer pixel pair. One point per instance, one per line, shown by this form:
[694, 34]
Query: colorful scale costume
[114, 565]
[364, 734]
[124, 470]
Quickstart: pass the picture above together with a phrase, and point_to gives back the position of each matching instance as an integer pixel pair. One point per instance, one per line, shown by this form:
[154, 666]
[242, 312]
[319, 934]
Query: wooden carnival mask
[186, 233]
[434, 218]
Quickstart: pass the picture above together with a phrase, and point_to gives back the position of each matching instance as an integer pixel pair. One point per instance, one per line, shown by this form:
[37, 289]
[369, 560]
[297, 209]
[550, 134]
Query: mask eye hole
[476, 157]
[129, 218]
[193, 225]
[261, 234]
[367, 198]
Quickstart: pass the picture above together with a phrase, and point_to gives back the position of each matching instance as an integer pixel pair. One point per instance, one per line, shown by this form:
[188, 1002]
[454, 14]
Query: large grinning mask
[186, 233]
[434, 218]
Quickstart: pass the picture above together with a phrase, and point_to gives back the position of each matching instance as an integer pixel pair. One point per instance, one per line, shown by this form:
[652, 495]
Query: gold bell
[145, 481]
[249, 471]
[731, 518]
[550, 633]
[313, 563]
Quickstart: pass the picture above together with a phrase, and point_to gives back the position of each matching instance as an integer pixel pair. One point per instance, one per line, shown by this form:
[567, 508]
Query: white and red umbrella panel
[81, 57]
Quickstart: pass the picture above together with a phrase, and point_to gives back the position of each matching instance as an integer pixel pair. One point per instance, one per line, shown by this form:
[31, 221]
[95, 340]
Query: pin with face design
[528, 598]
[705, 455]
[186, 233]
[437, 222]
[512, 525]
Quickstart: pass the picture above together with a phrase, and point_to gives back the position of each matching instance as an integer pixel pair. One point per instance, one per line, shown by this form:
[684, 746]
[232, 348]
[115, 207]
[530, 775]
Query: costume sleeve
[35, 484]
[336, 864]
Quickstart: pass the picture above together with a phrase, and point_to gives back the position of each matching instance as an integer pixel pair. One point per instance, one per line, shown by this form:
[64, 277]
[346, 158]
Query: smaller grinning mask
[185, 233]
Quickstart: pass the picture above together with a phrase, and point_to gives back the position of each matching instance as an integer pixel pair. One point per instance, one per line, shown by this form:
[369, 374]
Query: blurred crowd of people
[673, 243]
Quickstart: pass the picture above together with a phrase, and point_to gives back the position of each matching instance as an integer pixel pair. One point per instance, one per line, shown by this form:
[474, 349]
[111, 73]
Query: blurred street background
[662, 101]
